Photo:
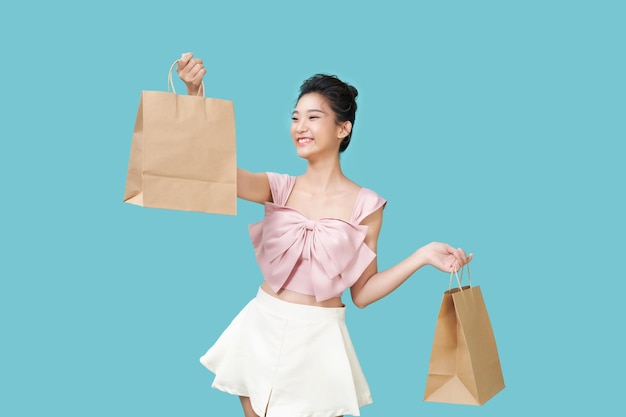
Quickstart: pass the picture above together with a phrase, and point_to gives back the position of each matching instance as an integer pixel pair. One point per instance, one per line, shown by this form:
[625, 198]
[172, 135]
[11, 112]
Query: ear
[344, 129]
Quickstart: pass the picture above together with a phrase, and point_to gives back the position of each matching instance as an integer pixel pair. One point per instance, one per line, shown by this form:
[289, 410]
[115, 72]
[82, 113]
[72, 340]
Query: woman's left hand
[444, 257]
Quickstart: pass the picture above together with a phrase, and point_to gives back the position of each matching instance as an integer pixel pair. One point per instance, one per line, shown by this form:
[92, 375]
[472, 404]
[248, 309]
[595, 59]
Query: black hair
[341, 98]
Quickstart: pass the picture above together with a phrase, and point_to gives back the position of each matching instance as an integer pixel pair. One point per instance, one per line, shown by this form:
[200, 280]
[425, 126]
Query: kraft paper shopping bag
[464, 364]
[183, 153]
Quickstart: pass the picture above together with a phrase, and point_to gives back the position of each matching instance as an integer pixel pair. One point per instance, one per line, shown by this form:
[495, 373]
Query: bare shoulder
[351, 188]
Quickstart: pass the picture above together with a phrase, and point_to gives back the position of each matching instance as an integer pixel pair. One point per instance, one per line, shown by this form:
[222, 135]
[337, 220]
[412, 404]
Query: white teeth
[305, 140]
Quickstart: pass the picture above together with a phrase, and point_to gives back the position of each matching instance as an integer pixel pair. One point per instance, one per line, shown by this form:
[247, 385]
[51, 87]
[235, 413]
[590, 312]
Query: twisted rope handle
[455, 273]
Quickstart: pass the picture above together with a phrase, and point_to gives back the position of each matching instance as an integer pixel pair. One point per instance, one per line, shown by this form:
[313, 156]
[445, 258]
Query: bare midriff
[297, 298]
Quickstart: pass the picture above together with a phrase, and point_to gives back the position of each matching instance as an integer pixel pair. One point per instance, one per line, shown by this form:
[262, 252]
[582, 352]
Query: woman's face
[313, 127]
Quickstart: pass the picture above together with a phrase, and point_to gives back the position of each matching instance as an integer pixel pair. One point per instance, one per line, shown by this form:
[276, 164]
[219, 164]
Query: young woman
[288, 352]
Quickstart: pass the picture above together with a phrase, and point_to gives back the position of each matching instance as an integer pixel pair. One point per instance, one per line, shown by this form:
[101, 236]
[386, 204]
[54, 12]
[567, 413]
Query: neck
[323, 175]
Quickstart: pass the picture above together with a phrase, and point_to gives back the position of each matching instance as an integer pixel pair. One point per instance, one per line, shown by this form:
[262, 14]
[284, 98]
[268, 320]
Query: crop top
[312, 257]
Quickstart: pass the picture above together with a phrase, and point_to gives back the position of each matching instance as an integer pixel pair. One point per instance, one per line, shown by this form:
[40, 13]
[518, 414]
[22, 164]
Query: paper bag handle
[455, 273]
[170, 81]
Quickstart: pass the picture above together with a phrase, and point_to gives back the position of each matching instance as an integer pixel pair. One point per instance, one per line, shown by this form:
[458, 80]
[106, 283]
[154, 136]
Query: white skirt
[292, 360]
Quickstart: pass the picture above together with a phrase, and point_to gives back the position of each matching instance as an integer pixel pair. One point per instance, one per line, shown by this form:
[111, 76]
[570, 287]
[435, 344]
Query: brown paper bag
[183, 154]
[464, 364]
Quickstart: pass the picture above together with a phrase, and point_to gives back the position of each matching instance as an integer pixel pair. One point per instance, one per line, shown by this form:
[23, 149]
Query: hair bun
[353, 91]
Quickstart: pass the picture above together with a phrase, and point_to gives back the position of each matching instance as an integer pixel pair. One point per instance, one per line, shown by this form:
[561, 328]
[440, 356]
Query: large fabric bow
[333, 249]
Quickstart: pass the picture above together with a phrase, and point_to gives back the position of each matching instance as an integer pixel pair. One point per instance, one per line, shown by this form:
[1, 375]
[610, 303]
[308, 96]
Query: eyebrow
[310, 111]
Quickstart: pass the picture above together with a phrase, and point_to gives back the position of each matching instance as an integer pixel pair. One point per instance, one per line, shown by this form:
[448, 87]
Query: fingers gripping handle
[170, 81]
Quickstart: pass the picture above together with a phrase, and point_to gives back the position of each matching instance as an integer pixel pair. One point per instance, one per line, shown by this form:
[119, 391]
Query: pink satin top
[314, 257]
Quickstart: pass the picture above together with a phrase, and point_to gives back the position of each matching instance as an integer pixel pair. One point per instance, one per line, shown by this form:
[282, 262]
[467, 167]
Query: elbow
[360, 302]
[362, 295]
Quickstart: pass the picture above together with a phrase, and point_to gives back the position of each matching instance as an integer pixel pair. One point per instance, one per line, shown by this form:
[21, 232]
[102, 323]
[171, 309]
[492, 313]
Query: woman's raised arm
[250, 186]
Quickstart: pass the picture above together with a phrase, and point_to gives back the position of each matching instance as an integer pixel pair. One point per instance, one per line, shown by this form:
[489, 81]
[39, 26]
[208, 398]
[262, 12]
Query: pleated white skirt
[292, 360]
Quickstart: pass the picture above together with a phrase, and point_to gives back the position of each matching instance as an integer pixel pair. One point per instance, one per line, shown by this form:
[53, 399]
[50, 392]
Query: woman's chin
[303, 152]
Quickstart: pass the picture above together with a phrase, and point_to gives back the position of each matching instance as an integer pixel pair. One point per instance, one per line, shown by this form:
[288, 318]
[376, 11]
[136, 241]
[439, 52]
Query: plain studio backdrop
[497, 126]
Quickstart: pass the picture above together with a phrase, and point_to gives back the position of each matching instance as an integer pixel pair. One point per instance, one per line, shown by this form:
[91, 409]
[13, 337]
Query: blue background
[497, 126]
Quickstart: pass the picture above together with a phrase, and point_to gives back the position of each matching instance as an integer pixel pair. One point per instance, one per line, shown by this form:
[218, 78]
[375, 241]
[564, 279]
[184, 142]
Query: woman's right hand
[191, 70]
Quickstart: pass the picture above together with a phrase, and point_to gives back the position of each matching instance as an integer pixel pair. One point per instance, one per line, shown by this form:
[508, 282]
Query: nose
[301, 126]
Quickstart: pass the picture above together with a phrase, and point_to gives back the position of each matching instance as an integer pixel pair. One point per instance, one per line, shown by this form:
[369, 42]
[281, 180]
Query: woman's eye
[294, 119]
[314, 117]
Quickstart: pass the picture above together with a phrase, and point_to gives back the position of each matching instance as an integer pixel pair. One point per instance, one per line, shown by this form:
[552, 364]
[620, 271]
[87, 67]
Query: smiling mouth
[304, 141]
